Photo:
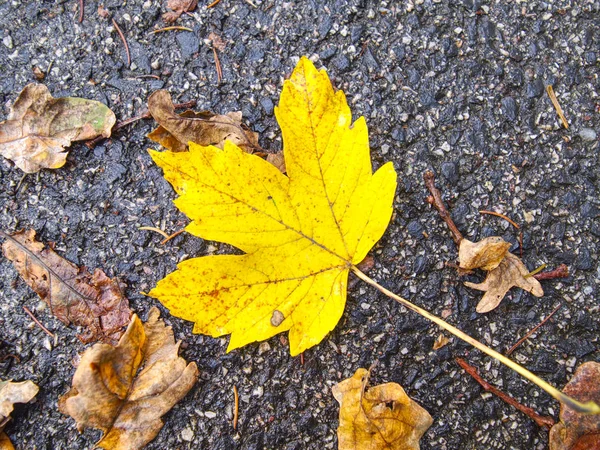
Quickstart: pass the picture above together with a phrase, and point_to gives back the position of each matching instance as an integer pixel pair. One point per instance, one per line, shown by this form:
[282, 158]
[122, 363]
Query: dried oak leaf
[179, 7]
[510, 272]
[125, 390]
[92, 301]
[11, 393]
[301, 233]
[175, 131]
[39, 127]
[5, 443]
[577, 431]
[380, 418]
[485, 254]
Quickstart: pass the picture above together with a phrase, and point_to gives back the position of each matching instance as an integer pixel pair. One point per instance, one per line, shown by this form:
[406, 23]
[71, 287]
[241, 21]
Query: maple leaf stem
[584, 408]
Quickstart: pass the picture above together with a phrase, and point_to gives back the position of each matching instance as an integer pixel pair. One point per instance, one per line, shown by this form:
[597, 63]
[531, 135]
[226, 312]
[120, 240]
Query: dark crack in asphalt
[456, 87]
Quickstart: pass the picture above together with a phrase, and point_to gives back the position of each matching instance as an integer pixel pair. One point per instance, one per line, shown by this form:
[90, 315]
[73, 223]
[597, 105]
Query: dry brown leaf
[125, 390]
[217, 41]
[511, 272]
[39, 127]
[485, 254]
[204, 128]
[277, 160]
[74, 295]
[368, 423]
[179, 7]
[11, 393]
[577, 431]
[440, 341]
[5, 443]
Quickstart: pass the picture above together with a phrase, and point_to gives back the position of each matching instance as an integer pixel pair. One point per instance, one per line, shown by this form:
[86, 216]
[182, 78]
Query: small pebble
[587, 135]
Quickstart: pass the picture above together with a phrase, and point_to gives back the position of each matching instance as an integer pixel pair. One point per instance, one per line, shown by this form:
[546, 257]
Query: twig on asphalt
[542, 421]
[124, 41]
[38, 322]
[534, 272]
[168, 238]
[435, 199]
[502, 216]
[156, 230]
[561, 271]
[81, 11]
[145, 115]
[213, 4]
[533, 330]
[218, 66]
[160, 30]
[557, 107]
[236, 405]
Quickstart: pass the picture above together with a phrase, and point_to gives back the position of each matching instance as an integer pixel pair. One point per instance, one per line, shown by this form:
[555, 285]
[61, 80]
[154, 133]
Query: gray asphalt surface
[457, 87]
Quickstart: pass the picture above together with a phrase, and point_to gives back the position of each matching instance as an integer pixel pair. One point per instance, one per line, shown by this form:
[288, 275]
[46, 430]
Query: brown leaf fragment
[510, 272]
[381, 418]
[5, 443]
[179, 7]
[440, 341]
[217, 41]
[125, 390]
[39, 127]
[577, 431]
[74, 295]
[11, 393]
[277, 160]
[485, 254]
[204, 128]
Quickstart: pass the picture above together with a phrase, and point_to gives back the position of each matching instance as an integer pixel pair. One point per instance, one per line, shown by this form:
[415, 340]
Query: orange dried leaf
[175, 131]
[381, 418]
[11, 393]
[39, 127]
[92, 301]
[577, 431]
[179, 7]
[5, 443]
[440, 341]
[125, 390]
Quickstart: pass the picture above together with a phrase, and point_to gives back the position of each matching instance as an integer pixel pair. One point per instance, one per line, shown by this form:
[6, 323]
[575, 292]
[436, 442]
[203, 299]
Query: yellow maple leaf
[301, 233]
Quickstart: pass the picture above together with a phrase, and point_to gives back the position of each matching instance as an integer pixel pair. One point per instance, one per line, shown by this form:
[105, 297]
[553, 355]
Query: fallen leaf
[380, 418]
[301, 233]
[74, 295]
[39, 127]
[11, 393]
[5, 443]
[577, 431]
[203, 128]
[179, 7]
[510, 272]
[485, 254]
[217, 41]
[278, 160]
[125, 390]
[440, 341]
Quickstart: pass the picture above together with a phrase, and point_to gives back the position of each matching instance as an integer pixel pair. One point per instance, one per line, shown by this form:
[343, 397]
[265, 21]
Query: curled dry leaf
[39, 127]
[577, 431]
[217, 41]
[485, 254]
[511, 272]
[380, 418]
[5, 443]
[11, 393]
[179, 7]
[125, 390]
[440, 341]
[175, 131]
[74, 295]
[298, 245]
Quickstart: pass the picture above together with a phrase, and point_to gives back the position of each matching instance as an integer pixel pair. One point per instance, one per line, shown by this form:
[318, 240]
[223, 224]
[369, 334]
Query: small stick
[542, 421]
[435, 199]
[502, 216]
[218, 66]
[236, 405]
[80, 11]
[156, 230]
[213, 4]
[168, 238]
[536, 271]
[557, 107]
[160, 30]
[561, 271]
[302, 358]
[145, 115]
[533, 330]
[124, 41]
[38, 322]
